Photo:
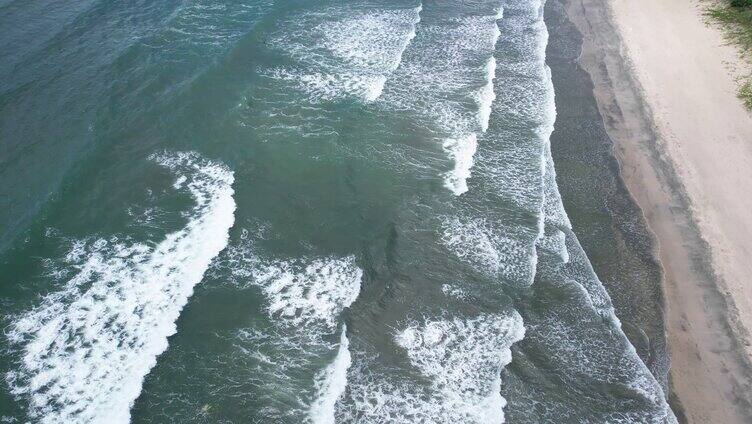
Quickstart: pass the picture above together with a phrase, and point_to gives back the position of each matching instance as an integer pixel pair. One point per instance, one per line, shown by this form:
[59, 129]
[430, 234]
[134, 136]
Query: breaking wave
[86, 349]
[462, 358]
[349, 56]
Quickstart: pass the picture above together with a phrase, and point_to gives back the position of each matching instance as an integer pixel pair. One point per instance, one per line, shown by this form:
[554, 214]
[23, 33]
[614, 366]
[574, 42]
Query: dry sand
[665, 87]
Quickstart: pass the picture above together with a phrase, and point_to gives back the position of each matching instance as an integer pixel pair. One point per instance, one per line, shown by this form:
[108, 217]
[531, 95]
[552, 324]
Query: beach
[664, 82]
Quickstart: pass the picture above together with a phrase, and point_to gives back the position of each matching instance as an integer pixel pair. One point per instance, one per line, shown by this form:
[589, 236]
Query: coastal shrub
[735, 17]
[736, 23]
[745, 93]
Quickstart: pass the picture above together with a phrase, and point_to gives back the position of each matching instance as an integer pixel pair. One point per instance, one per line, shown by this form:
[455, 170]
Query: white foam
[486, 94]
[331, 383]
[442, 77]
[372, 41]
[375, 88]
[452, 290]
[461, 150]
[553, 206]
[327, 87]
[312, 292]
[459, 361]
[87, 348]
[485, 98]
[471, 241]
[488, 250]
[583, 349]
[350, 56]
[554, 243]
[463, 358]
[305, 299]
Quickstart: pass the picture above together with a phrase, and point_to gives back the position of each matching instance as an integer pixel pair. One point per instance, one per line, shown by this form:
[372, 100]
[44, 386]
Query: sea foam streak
[310, 298]
[486, 95]
[492, 250]
[86, 349]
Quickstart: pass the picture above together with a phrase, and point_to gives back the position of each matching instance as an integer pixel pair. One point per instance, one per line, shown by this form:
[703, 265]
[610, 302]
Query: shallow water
[294, 212]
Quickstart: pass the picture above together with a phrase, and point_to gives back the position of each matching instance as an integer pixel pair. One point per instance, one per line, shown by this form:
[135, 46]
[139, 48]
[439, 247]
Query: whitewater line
[459, 358]
[360, 51]
[462, 149]
[375, 91]
[332, 382]
[306, 298]
[554, 215]
[86, 350]
[463, 359]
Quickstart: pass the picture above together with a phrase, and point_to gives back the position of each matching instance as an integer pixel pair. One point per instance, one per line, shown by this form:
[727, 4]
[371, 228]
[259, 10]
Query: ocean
[299, 211]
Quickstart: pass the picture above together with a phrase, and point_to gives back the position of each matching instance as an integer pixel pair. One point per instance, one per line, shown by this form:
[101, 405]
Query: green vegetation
[745, 93]
[741, 3]
[736, 19]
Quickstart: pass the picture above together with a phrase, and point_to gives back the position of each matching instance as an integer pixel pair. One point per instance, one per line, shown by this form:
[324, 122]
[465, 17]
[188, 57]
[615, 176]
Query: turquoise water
[294, 211]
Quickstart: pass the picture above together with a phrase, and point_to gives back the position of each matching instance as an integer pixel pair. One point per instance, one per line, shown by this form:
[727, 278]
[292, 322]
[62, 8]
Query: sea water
[300, 211]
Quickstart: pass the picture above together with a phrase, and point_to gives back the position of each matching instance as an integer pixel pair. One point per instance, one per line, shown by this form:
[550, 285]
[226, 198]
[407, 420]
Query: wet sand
[608, 223]
[684, 145]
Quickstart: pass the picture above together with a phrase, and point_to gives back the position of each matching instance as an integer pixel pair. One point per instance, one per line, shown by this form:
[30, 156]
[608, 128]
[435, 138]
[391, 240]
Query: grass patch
[735, 17]
[745, 93]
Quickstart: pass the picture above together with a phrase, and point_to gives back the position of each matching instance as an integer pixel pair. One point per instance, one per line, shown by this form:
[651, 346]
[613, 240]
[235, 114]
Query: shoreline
[608, 223]
[670, 138]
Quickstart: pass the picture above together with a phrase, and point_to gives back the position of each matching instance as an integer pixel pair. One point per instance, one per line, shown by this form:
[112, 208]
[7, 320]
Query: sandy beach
[664, 82]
